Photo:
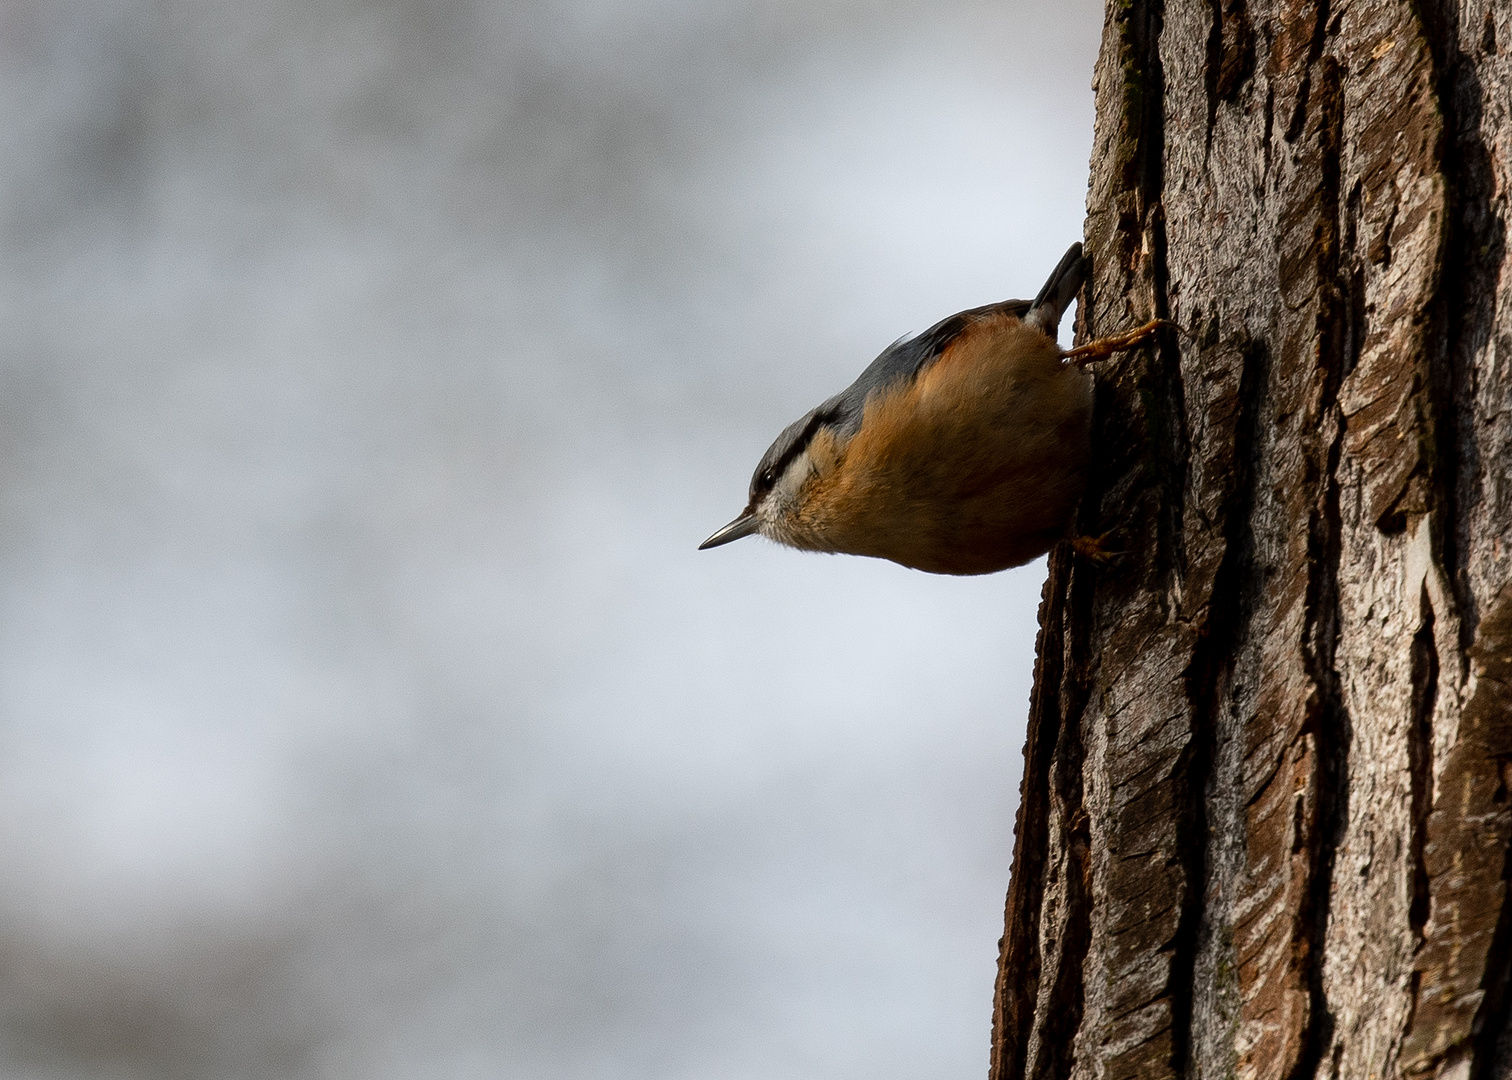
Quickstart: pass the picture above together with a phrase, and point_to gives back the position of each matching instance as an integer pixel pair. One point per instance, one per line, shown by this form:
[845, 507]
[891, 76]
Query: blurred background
[371, 370]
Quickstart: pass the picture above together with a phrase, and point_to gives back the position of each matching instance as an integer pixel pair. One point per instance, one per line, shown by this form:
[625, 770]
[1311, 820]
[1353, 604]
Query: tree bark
[1265, 821]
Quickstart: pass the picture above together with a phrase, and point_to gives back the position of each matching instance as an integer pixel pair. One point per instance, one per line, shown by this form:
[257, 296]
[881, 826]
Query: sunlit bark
[1265, 823]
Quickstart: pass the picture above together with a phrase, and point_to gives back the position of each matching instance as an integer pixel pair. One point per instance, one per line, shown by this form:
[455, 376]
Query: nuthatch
[960, 451]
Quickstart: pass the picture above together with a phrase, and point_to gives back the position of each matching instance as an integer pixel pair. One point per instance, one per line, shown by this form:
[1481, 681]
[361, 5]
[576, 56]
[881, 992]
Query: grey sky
[371, 372]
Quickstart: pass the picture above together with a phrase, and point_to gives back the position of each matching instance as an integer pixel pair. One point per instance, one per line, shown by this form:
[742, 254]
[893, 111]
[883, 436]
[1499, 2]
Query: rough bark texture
[1265, 823]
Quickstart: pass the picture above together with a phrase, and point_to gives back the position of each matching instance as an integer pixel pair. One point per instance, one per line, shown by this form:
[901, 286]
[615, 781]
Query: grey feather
[904, 359]
[899, 362]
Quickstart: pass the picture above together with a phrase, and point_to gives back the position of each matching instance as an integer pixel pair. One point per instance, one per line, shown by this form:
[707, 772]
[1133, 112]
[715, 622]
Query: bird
[962, 450]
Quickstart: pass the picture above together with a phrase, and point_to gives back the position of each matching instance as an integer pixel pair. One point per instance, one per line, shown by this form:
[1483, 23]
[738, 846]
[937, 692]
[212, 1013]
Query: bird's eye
[768, 478]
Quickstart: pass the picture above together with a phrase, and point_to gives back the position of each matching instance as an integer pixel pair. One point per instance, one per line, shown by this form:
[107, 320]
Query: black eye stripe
[789, 445]
[800, 444]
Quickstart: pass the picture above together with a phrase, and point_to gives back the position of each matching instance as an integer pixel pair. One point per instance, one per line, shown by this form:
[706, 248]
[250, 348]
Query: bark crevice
[1207, 682]
[1019, 961]
[1491, 1033]
[1464, 310]
[1491, 1029]
[1329, 723]
[1062, 1010]
[1425, 680]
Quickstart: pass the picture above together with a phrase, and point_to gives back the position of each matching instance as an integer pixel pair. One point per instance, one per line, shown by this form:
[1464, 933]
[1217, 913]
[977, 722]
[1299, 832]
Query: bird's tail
[1064, 283]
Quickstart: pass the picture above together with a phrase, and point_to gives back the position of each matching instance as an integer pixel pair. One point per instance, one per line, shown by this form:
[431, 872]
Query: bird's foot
[1095, 549]
[1102, 348]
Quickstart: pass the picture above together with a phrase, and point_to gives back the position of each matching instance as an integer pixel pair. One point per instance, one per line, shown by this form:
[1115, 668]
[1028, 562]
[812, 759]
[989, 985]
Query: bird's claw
[1102, 348]
[1094, 549]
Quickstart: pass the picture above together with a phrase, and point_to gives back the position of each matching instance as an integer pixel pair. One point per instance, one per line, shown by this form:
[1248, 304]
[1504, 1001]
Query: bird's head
[783, 479]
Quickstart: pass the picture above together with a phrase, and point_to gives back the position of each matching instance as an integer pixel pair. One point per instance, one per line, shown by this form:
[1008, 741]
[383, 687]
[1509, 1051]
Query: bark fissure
[1463, 311]
[1230, 57]
[1063, 1013]
[1019, 952]
[1329, 722]
[1207, 683]
[1062, 1010]
[1425, 679]
[1491, 1029]
[1491, 1032]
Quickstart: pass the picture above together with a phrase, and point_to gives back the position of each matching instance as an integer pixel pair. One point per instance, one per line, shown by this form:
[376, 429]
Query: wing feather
[904, 360]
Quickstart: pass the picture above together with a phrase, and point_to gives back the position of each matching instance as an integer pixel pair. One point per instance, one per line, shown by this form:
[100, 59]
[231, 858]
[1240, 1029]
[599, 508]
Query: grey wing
[906, 358]
[902, 361]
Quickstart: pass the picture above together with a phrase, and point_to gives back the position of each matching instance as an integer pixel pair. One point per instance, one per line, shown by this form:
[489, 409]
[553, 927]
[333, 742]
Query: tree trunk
[1265, 822]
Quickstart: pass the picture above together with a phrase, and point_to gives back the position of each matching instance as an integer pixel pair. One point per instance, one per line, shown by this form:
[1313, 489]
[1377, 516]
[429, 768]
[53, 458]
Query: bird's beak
[744, 525]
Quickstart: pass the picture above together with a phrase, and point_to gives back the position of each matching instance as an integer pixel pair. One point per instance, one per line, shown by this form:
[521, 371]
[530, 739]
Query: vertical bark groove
[1019, 954]
[1330, 717]
[1063, 1009]
[1463, 313]
[1425, 672]
[1207, 683]
[1492, 1029]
